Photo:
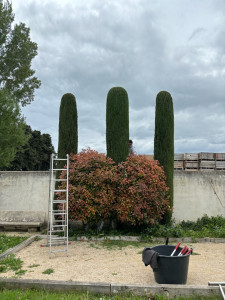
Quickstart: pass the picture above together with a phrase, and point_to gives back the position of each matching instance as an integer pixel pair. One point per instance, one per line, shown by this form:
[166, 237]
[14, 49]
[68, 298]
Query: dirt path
[88, 261]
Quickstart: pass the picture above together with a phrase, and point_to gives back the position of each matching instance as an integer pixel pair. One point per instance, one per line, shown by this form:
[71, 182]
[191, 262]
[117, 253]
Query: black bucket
[171, 269]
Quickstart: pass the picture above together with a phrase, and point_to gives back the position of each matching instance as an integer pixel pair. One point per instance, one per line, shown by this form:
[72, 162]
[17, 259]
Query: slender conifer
[164, 140]
[68, 137]
[117, 124]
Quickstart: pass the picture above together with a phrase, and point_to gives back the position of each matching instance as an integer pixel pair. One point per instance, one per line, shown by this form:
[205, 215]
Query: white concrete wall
[24, 195]
[197, 193]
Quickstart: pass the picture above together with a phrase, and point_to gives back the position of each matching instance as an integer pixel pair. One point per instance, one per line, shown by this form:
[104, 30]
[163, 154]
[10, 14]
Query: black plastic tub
[171, 269]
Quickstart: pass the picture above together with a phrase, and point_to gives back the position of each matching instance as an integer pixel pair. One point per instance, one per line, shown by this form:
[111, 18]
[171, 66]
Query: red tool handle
[185, 249]
[177, 246]
[175, 249]
[189, 251]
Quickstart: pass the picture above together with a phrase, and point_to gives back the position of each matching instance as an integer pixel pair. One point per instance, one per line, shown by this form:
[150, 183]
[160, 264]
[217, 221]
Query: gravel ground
[89, 261]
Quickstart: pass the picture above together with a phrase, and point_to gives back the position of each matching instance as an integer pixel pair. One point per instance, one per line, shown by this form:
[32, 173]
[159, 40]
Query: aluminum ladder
[220, 284]
[58, 218]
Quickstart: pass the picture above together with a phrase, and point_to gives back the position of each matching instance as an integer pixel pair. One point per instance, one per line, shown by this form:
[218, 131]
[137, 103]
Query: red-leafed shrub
[134, 192]
[92, 181]
[142, 195]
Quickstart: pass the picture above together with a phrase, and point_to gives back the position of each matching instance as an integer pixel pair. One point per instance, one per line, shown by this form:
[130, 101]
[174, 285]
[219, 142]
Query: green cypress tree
[117, 124]
[68, 137]
[164, 141]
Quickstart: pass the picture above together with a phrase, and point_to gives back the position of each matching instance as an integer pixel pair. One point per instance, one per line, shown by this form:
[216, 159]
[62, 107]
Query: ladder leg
[222, 292]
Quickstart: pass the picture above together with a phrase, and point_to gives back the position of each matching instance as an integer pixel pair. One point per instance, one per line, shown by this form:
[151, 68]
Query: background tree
[12, 125]
[16, 54]
[68, 137]
[117, 124]
[164, 141]
[35, 155]
[17, 83]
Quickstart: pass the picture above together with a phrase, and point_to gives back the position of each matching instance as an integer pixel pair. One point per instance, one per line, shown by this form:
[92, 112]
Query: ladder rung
[58, 225]
[58, 238]
[58, 213]
[59, 190]
[55, 231]
[59, 201]
[53, 244]
[60, 179]
[58, 251]
[59, 159]
[58, 169]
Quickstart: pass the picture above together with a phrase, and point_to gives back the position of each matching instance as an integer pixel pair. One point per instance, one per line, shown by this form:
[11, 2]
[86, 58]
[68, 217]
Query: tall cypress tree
[117, 124]
[164, 141]
[68, 137]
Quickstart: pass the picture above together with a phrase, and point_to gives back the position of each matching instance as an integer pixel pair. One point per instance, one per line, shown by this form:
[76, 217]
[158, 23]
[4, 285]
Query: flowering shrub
[92, 180]
[134, 192]
[142, 195]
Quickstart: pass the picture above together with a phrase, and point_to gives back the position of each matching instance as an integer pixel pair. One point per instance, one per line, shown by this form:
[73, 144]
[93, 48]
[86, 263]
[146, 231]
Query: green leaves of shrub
[204, 222]
[213, 227]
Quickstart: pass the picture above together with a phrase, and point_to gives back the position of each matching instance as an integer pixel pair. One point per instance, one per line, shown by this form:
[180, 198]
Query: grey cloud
[87, 47]
[195, 34]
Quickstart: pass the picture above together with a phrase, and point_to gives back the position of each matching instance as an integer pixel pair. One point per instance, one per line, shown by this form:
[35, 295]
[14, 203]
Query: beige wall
[197, 193]
[24, 195]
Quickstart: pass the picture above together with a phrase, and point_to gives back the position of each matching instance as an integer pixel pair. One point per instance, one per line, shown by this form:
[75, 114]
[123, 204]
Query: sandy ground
[88, 261]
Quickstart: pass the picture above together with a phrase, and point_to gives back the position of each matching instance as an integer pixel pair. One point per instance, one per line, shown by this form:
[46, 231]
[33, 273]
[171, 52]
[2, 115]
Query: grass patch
[10, 263]
[48, 271]
[33, 266]
[20, 272]
[7, 242]
[43, 295]
[117, 244]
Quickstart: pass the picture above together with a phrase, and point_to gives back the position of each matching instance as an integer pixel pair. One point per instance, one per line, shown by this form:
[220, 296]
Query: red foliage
[92, 180]
[134, 192]
[142, 195]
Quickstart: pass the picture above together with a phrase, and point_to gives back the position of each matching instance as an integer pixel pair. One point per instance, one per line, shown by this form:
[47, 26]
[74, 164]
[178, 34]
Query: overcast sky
[86, 47]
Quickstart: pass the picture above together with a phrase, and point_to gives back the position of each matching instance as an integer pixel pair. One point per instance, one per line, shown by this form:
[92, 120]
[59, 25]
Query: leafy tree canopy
[12, 125]
[16, 54]
[35, 155]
